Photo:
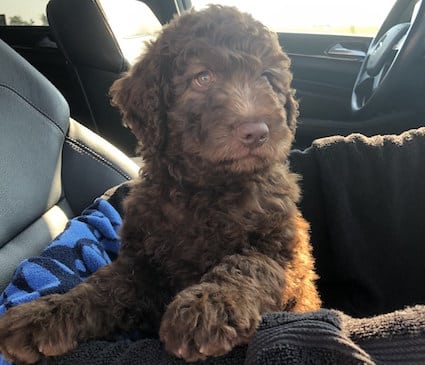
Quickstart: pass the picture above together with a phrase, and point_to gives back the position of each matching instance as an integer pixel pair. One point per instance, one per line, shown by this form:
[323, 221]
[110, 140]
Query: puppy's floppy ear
[291, 107]
[282, 80]
[142, 97]
[291, 104]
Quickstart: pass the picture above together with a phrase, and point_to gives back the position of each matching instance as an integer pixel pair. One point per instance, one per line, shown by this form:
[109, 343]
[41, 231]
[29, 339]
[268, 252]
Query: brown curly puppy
[212, 237]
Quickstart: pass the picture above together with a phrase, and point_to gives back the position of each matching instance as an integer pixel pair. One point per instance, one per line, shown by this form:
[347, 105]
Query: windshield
[362, 17]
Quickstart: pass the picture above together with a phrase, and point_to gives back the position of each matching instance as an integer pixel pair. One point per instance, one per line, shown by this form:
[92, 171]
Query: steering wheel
[390, 57]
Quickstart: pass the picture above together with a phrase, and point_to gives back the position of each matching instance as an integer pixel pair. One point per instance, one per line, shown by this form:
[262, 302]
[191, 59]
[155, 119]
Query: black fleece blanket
[365, 199]
[325, 337]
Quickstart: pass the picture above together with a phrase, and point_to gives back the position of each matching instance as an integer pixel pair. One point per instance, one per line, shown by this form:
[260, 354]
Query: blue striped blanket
[88, 242]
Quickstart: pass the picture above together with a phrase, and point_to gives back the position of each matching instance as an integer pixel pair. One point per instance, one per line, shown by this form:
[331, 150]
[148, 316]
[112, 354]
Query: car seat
[51, 166]
[84, 36]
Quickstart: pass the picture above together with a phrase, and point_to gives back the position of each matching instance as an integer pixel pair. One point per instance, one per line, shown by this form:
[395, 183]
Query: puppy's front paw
[33, 330]
[207, 320]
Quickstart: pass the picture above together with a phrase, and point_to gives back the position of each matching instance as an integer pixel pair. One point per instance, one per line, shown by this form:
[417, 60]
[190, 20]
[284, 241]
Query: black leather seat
[51, 167]
[96, 60]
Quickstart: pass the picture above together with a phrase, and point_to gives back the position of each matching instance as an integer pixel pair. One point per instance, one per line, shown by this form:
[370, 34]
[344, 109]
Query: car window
[132, 22]
[359, 17]
[23, 12]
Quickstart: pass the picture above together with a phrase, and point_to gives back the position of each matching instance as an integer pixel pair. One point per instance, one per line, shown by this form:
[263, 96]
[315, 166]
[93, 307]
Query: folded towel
[309, 338]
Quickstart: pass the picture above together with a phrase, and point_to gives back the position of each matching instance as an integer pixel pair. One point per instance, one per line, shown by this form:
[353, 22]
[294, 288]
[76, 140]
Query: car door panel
[324, 82]
[324, 79]
[323, 85]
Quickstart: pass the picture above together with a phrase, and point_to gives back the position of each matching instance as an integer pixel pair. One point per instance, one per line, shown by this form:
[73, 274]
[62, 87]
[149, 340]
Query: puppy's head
[213, 91]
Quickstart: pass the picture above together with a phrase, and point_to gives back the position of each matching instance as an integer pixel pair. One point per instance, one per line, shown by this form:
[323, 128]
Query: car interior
[62, 143]
[79, 53]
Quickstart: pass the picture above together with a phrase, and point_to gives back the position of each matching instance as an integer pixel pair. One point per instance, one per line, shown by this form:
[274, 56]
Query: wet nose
[253, 134]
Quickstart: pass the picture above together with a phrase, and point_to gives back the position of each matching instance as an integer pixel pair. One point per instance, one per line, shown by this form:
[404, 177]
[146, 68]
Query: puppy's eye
[203, 80]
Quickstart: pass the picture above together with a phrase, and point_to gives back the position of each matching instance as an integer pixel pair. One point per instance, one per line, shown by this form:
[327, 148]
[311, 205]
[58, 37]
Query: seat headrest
[34, 120]
[83, 33]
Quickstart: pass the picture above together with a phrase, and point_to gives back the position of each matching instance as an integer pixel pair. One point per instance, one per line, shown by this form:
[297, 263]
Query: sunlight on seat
[133, 23]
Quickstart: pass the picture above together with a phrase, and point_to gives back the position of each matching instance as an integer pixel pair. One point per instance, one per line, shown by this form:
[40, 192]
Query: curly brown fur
[212, 237]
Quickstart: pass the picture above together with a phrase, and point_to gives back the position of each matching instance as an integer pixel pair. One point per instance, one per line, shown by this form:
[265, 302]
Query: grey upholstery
[51, 167]
[86, 40]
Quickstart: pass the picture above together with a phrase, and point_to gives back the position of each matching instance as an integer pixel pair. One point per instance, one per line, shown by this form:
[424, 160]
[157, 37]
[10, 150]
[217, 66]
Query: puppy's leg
[52, 325]
[210, 318]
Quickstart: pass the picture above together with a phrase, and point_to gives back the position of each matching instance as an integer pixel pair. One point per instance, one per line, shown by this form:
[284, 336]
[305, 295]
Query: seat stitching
[93, 154]
[44, 114]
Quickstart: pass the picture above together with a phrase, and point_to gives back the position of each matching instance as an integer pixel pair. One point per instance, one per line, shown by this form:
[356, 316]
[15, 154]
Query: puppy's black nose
[253, 134]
